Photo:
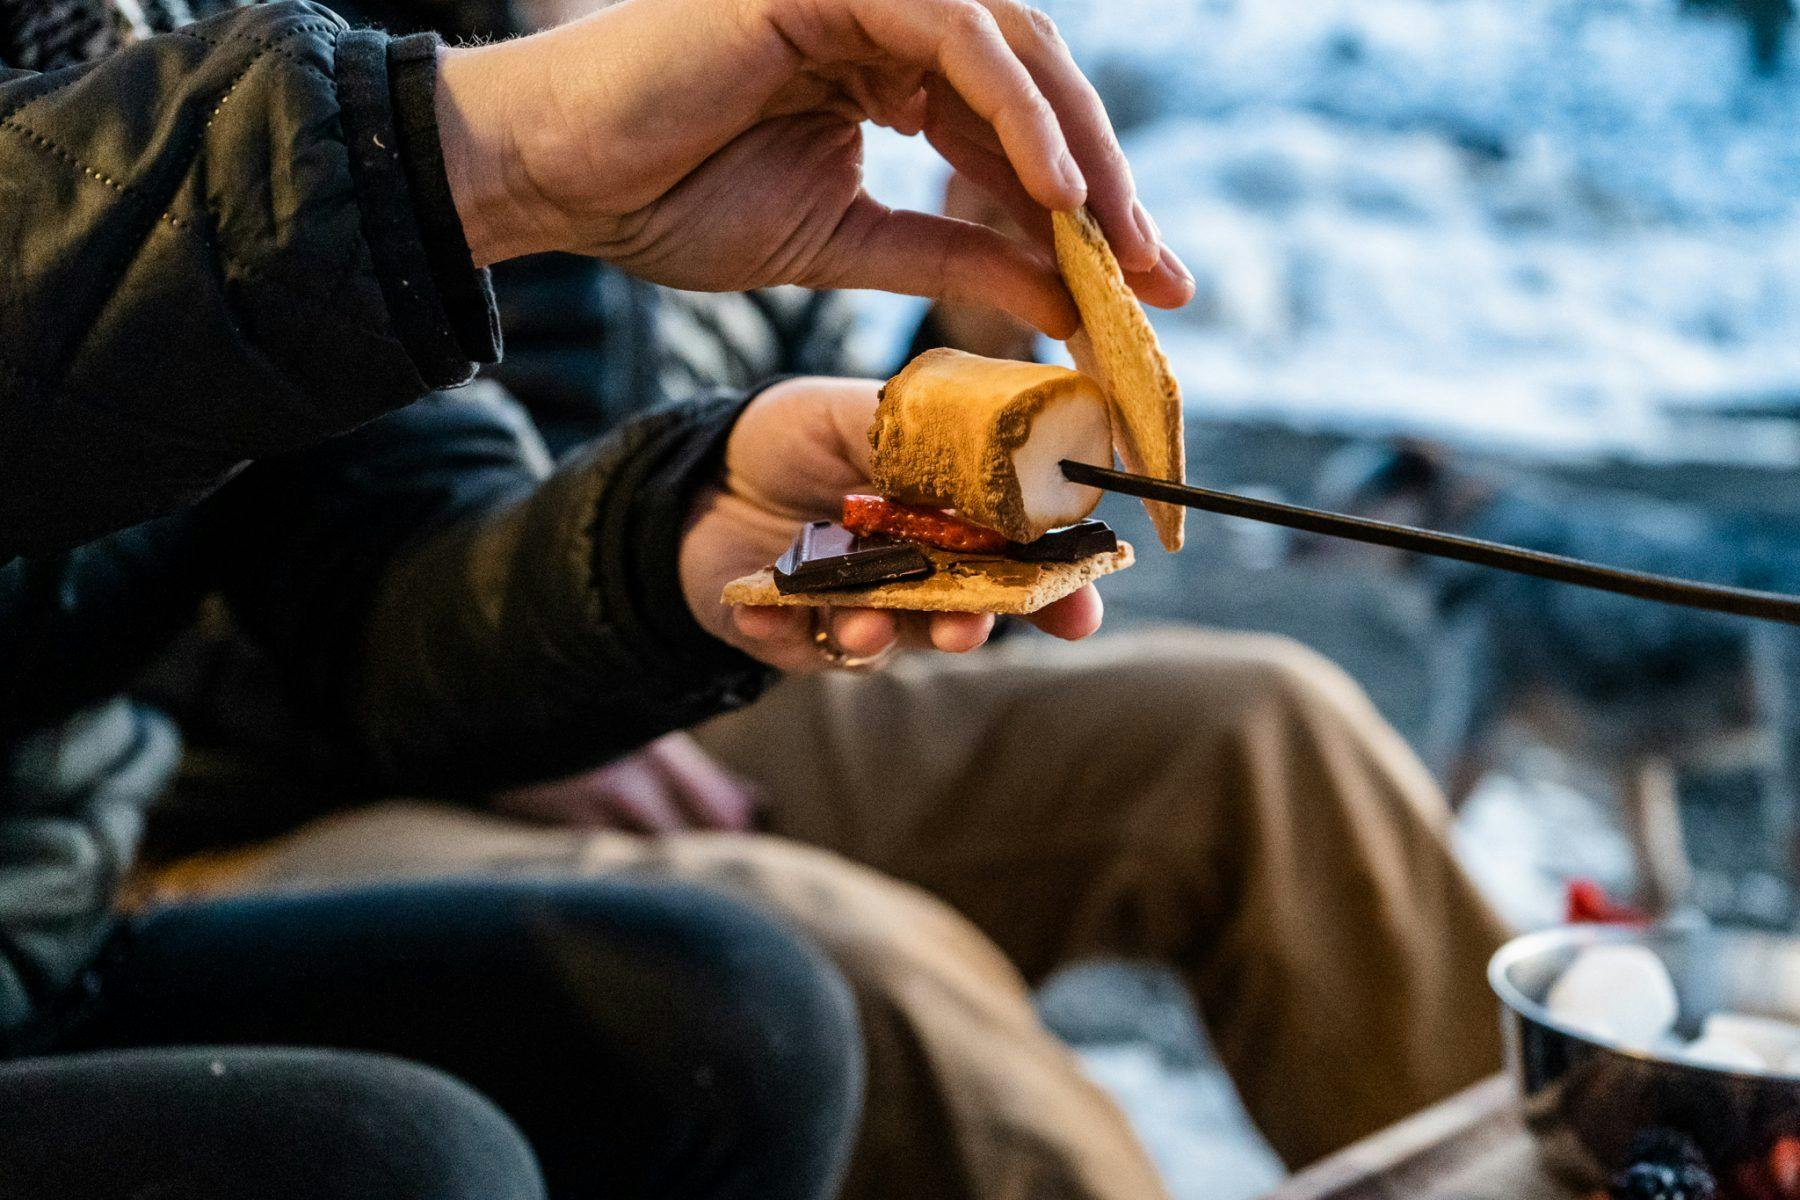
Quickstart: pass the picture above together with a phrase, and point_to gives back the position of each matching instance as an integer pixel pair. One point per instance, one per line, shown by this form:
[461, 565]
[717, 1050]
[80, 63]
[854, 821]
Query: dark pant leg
[650, 1040]
[226, 1124]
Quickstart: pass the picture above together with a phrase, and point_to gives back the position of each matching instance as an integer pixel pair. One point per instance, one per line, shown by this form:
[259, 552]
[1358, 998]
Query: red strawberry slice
[866, 516]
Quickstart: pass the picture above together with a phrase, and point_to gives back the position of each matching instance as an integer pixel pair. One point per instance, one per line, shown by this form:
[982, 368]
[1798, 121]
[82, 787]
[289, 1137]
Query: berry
[1666, 1164]
[1784, 1165]
[1659, 1144]
[1587, 903]
[1663, 1181]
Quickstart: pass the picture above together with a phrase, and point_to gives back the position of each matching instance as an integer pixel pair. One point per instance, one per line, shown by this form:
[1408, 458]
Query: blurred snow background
[1556, 227]
[1537, 222]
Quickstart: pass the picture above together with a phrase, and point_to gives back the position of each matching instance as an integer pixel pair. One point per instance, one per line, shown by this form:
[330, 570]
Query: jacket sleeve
[466, 618]
[218, 244]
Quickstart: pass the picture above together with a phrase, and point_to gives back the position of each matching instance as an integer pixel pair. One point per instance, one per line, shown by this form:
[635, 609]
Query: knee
[781, 1022]
[272, 1123]
[1299, 679]
[741, 1026]
[373, 1125]
[1233, 682]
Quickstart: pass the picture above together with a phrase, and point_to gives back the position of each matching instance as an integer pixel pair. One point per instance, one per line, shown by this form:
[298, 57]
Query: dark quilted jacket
[228, 265]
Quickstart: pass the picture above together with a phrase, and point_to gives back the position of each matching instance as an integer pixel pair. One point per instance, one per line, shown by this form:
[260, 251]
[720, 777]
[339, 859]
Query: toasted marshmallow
[986, 436]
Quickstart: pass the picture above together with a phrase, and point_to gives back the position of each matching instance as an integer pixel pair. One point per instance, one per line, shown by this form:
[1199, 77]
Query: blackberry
[1664, 1181]
[1659, 1144]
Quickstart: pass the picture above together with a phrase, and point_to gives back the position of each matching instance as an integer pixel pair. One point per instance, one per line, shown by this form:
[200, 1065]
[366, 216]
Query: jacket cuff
[442, 308]
[467, 292]
[636, 538]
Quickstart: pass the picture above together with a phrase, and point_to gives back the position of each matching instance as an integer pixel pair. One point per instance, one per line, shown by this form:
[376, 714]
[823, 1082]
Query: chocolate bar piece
[827, 557]
[1068, 544]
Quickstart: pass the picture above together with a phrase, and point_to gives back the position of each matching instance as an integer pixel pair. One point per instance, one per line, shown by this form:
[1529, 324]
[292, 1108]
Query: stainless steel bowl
[1585, 1100]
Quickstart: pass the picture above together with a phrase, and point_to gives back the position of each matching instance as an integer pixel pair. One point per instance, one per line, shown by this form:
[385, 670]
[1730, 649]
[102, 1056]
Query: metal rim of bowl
[1580, 937]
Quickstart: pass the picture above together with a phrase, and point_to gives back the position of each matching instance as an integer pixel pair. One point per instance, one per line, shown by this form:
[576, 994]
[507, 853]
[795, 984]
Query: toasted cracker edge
[1109, 307]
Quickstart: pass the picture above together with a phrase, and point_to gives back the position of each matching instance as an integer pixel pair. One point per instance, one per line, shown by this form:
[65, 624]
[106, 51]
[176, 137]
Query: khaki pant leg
[969, 1097]
[1229, 804]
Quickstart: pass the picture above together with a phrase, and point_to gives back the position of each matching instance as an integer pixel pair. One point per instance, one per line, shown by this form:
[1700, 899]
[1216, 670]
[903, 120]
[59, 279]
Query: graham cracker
[1117, 348]
[960, 584]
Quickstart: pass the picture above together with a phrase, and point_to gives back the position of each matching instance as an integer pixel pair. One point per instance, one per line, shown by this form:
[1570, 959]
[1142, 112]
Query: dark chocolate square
[826, 557]
[1071, 543]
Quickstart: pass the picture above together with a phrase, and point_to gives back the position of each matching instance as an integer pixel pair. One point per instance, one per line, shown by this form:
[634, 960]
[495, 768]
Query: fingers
[890, 98]
[958, 633]
[785, 638]
[925, 255]
[966, 202]
[628, 794]
[863, 631]
[963, 41]
[1012, 69]
[709, 795]
[1111, 196]
[1170, 285]
[957, 134]
[1073, 617]
[667, 786]
[781, 637]
[639, 802]
[1024, 123]
[867, 631]
[968, 145]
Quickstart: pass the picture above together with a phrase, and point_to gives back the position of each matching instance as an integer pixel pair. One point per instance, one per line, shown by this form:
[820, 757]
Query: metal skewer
[1744, 602]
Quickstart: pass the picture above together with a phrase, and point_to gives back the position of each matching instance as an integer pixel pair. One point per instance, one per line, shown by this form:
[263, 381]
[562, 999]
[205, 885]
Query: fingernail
[1146, 223]
[1071, 174]
[1176, 265]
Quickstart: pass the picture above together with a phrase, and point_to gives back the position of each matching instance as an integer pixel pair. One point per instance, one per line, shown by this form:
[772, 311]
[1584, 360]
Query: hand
[981, 328]
[798, 449]
[668, 786]
[715, 145]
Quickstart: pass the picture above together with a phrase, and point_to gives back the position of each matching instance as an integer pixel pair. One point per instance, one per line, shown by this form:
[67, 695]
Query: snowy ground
[1560, 226]
[1138, 1038]
[1541, 222]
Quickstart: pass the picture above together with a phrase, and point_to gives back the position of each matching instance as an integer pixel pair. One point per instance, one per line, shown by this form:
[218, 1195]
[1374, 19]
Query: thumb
[920, 254]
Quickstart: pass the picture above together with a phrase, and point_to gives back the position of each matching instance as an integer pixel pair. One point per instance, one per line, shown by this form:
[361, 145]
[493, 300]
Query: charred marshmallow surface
[985, 437]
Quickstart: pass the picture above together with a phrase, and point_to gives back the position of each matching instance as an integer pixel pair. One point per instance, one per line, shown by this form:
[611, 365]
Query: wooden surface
[1472, 1146]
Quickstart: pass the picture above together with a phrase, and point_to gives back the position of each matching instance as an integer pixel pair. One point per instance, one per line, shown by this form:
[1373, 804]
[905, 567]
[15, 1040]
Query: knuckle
[1028, 109]
[750, 13]
[967, 19]
[967, 261]
[1042, 25]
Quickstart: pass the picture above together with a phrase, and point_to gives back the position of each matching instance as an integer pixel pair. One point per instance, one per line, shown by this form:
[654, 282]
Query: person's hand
[715, 145]
[797, 450]
[981, 328]
[668, 786]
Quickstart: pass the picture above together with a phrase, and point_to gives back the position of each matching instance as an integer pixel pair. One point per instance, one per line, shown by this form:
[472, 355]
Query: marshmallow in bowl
[1776, 1043]
[1717, 1050]
[1616, 993]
